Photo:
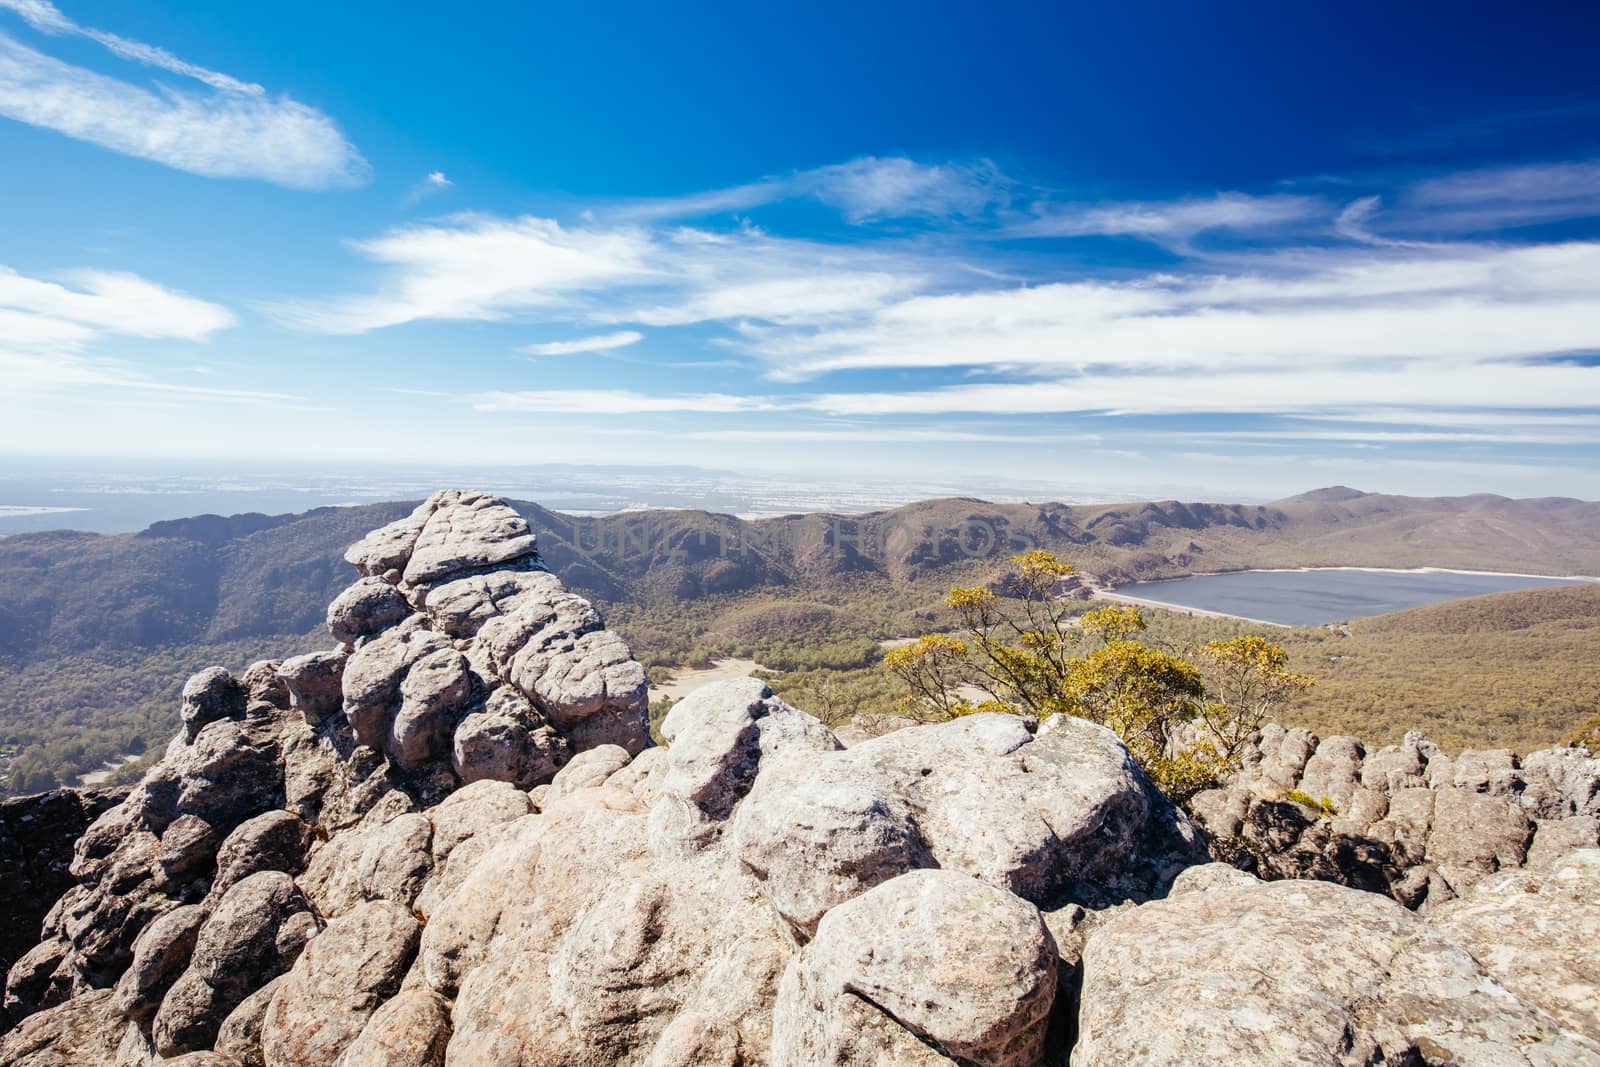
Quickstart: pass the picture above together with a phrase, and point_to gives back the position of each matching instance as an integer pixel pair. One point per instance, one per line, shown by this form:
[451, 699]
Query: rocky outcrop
[1405, 820]
[294, 792]
[1231, 970]
[449, 842]
[37, 834]
[756, 893]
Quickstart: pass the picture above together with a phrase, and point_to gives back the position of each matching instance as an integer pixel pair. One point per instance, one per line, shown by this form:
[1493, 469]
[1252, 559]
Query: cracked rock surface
[449, 842]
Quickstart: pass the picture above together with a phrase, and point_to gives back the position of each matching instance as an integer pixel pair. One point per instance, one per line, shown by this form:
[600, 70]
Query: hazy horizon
[121, 495]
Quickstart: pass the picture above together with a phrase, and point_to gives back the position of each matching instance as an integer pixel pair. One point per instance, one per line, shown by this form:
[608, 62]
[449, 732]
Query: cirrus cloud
[231, 129]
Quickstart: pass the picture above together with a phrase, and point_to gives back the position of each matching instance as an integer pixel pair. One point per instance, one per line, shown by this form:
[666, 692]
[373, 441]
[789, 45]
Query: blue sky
[1254, 248]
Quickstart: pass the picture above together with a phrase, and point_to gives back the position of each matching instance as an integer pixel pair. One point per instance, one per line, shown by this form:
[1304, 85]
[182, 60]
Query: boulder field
[450, 841]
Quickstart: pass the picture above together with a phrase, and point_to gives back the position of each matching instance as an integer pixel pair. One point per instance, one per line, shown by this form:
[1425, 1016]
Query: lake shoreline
[1333, 603]
[1121, 598]
[1375, 570]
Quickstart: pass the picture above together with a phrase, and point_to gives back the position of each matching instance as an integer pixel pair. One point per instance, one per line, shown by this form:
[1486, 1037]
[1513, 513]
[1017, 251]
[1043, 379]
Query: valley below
[97, 631]
[458, 826]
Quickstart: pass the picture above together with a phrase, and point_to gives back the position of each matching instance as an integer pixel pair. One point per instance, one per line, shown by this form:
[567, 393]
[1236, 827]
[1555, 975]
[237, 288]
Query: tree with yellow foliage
[1028, 651]
[1246, 678]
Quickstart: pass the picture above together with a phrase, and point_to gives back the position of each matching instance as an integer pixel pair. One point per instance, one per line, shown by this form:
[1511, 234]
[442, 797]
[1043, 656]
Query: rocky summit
[450, 841]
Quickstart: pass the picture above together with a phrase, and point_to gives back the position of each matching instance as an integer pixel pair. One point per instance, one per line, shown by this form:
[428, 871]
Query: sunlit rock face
[448, 841]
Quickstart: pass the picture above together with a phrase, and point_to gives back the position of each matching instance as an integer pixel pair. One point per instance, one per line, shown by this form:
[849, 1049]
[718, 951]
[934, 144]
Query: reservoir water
[1315, 597]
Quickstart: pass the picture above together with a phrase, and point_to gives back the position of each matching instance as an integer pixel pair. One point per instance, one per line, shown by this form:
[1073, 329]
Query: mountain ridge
[216, 578]
[452, 838]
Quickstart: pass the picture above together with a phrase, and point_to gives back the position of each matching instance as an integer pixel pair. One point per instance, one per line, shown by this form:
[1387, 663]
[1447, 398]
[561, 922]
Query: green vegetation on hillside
[98, 633]
[66, 716]
[1517, 670]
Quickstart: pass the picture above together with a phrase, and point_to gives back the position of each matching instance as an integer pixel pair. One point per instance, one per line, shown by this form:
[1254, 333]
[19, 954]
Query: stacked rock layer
[450, 842]
[1405, 820]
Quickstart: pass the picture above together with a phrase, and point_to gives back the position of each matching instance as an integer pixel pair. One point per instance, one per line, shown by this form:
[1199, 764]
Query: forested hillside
[97, 632]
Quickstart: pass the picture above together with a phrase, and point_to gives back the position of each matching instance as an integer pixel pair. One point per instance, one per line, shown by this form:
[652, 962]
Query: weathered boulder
[433, 696]
[1298, 972]
[314, 683]
[342, 978]
[329, 769]
[719, 735]
[1405, 820]
[271, 841]
[396, 859]
[373, 676]
[410, 1030]
[1535, 932]
[1062, 816]
[160, 955]
[1558, 783]
[367, 608]
[236, 952]
[506, 740]
[87, 1029]
[587, 770]
[938, 956]
[210, 695]
[471, 810]
[188, 849]
[467, 531]
[240, 1033]
[461, 607]
[1554, 838]
[579, 675]
[36, 845]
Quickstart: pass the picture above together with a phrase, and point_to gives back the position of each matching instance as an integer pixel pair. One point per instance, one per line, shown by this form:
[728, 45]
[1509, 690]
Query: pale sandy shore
[1379, 570]
[685, 682]
[105, 770]
[1106, 594]
[1123, 598]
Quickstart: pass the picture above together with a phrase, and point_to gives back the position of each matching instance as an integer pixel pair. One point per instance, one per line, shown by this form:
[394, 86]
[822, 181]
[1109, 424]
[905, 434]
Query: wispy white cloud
[478, 267]
[880, 435]
[1464, 303]
[618, 402]
[605, 342]
[47, 18]
[863, 190]
[1393, 437]
[232, 129]
[1320, 395]
[432, 183]
[1498, 198]
[1174, 222]
[114, 302]
[1328, 315]
[802, 299]
[49, 329]
[1475, 419]
[896, 188]
[1318, 392]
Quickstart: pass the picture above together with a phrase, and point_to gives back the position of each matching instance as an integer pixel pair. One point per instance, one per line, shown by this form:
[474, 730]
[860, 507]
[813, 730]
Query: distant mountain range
[213, 579]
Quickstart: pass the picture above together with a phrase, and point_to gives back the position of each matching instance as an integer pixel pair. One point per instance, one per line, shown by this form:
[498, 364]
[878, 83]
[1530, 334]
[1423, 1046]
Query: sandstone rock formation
[293, 792]
[449, 843]
[1406, 819]
[1231, 970]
